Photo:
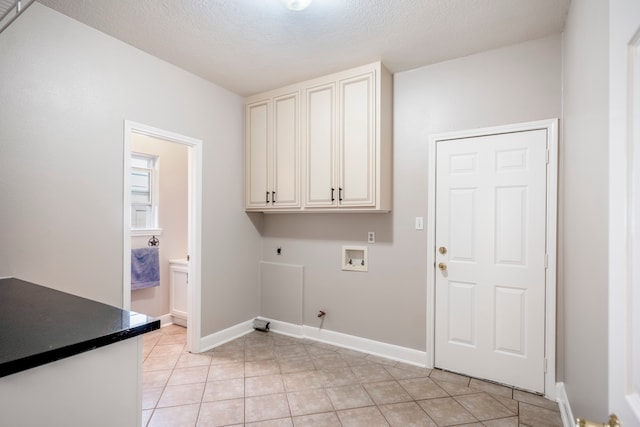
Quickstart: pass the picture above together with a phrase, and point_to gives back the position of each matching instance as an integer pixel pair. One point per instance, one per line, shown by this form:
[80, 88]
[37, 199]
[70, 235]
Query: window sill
[146, 232]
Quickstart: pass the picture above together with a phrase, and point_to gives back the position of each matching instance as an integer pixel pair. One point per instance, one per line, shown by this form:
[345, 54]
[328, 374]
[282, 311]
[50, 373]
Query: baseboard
[165, 320]
[376, 348]
[226, 335]
[565, 407]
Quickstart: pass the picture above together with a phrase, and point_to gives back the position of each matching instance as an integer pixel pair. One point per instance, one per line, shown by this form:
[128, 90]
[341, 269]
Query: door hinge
[547, 156]
[545, 366]
[546, 260]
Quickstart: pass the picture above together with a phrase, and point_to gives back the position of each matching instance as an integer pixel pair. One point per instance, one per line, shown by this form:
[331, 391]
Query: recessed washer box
[354, 258]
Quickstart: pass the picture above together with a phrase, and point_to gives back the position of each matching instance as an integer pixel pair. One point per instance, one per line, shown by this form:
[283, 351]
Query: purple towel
[145, 268]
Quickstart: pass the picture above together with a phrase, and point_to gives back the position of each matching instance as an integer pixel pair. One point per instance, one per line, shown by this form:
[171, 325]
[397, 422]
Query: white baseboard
[165, 320]
[364, 345]
[565, 408]
[226, 335]
[376, 348]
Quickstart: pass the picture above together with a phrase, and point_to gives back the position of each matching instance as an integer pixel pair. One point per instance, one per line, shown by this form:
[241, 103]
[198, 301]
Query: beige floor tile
[338, 377]
[185, 394]
[221, 413]
[502, 422]
[362, 417]
[406, 414]
[177, 416]
[350, 396]
[492, 388]
[290, 365]
[317, 351]
[327, 419]
[535, 400]
[371, 372]
[483, 406]
[446, 411]
[454, 389]
[536, 416]
[188, 360]
[267, 384]
[302, 380]
[173, 339]
[259, 353]
[151, 396]
[282, 422]
[438, 374]
[155, 378]
[381, 360]
[261, 367]
[225, 357]
[223, 390]
[512, 405]
[309, 402]
[226, 371]
[146, 416]
[387, 392]
[162, 350]
[422, 388]
[332, 361]
[196, 374]
[291, 351]
[269, 407]
[401, 373]
[160, 363]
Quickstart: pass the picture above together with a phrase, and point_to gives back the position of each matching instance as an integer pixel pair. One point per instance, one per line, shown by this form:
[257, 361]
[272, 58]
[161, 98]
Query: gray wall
[172, 218]
[388, 303]
[66, 91]
[584, 206]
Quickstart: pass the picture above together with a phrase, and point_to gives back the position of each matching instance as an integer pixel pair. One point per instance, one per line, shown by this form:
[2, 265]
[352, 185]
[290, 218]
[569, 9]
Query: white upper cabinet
[330, 152]
[272, 153]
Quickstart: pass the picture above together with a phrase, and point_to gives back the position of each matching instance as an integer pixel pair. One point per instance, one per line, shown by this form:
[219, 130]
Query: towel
[145, 268]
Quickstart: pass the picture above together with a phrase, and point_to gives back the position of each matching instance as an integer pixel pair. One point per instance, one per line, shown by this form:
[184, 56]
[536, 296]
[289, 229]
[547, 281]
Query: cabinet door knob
[273, 197]
[332, 191]
[267, 197]
[340, 194]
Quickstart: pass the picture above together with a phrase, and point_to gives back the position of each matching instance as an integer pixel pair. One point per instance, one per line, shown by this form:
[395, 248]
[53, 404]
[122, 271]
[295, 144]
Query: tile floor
[266, 379]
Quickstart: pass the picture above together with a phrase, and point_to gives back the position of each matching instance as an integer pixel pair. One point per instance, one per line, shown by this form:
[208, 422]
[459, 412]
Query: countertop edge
[43, 358]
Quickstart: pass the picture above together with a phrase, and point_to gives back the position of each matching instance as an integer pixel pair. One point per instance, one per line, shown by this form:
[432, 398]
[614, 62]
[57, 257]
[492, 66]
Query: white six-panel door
[490, 239]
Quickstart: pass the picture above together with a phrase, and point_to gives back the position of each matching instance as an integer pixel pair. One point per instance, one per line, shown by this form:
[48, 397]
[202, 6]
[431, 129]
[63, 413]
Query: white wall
[514, 84]
[172, 218]
[584, 206]
[65, 94]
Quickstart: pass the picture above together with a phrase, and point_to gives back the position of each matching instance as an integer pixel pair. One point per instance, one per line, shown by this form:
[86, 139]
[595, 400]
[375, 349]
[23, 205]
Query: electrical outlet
[371, 237]
[419, 223]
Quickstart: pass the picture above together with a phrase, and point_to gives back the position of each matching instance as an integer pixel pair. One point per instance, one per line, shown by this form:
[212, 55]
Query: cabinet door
[357, 141]
[284, 176]
[257, 140]
[321, 189]
[179, 290]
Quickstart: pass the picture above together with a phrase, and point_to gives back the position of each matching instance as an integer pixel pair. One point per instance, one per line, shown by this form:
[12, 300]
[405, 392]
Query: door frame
[194, 219]
[551, 126]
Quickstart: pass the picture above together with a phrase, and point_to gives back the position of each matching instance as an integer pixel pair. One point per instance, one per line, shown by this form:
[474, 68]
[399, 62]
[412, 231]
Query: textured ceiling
[249, 46]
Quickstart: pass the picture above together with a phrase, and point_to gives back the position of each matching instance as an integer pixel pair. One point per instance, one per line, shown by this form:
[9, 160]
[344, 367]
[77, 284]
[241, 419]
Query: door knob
[442, 250]
[442, 266]
[613, 422]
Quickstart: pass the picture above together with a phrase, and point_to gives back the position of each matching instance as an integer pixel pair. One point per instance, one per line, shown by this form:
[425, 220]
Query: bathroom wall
[172, 218]
[514, 84]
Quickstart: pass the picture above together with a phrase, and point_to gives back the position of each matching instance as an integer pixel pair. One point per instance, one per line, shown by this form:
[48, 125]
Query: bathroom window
[144, 192]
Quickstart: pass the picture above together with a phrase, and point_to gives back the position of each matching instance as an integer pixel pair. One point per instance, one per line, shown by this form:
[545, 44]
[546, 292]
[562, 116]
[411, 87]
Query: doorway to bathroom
[164, 169]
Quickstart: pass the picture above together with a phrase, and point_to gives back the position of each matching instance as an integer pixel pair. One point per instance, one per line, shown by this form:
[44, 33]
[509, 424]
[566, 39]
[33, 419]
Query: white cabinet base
[178, 288]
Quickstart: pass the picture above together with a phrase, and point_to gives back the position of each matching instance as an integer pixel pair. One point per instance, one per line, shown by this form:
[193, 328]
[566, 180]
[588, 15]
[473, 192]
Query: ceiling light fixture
[296, 5]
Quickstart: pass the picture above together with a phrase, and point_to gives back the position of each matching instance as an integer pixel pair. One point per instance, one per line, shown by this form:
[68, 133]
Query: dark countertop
[39, 325]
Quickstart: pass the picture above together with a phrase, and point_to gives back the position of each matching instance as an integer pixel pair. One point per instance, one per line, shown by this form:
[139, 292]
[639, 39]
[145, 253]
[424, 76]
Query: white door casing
[624, 215]
[494, 210]
[193, 230]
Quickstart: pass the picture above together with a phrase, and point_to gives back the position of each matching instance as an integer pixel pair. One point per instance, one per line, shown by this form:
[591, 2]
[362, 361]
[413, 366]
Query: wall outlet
[371, 237]
[419, 223]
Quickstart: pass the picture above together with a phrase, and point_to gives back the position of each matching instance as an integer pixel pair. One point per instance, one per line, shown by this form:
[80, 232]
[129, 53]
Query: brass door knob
[442, 250]
[442, 266]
